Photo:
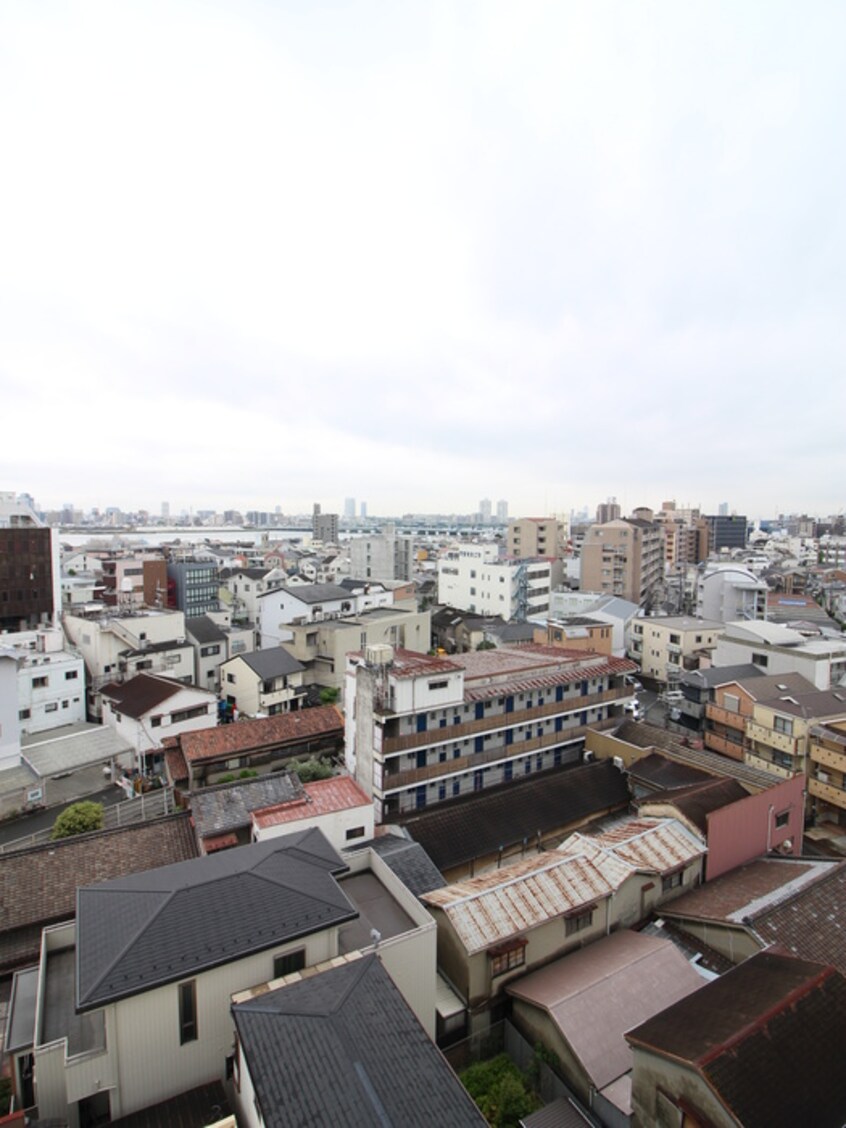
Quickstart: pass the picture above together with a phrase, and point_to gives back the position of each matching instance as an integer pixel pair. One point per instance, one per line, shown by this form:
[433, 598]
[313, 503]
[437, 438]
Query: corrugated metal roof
[653, 845]
[496, 906]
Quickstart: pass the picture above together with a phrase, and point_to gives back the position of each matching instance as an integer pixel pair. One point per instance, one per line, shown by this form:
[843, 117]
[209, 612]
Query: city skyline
[423, 255]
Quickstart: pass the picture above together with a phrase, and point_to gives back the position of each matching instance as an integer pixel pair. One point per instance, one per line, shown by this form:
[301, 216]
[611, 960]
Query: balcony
[828, 757]
[780, 740]
[827, 792]
[395, 781]
[767, 765]
[451, 733]
[717, 742]
[725, 717]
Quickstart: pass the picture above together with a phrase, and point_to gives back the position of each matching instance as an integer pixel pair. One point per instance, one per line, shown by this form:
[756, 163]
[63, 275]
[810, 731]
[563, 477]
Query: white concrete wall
[334, 825]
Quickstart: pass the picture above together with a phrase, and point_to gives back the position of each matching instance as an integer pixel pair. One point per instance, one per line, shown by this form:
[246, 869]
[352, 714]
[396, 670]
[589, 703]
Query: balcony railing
[827, 792]
[395, 780]
[451, 733]
[755, 761]
[826, 756]
[771, 737]
[718, 743]
[725, 717]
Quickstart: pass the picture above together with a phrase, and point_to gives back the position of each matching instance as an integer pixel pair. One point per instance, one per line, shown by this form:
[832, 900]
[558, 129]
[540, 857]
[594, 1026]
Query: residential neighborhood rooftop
[283, 728]
[141, 693]
[321, 797]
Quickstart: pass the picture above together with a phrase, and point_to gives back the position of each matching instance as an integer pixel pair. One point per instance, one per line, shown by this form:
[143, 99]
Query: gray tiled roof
[230, 805]
[354, 1054]
[152, 928]
[204, 630]
[272, 663]
[409, 861]
[314, 593]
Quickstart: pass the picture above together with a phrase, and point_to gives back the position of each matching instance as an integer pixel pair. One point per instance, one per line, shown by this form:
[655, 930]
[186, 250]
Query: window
[355, 832]
[24, 715]
[187, 714]
[187, 1012]
[782, 818]
[731, 703]
[506, 959]
[672, 880]
[70, 674]
[783, 725]
[288, 963]
[760, 660]
[438, 684]
[578, 923]
[230, 678]
[51, 707]
[39, 683]
[155, 721]
[207, 651]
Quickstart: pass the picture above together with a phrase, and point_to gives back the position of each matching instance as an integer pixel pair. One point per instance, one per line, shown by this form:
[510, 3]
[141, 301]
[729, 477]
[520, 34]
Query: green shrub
[247, 773]
[78, 818]
[310, 770]
[500, 1091]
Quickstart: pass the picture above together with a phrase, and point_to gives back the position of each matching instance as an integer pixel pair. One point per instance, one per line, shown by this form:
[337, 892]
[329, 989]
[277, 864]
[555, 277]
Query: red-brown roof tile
[223, 741]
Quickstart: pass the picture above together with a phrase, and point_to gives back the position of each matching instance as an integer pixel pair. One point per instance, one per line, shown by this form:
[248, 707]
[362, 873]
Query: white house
[775, 649]
[337, 806]
[148, 708]
[51, 680]
[263, 683]
[131, 1004]
[283, 607]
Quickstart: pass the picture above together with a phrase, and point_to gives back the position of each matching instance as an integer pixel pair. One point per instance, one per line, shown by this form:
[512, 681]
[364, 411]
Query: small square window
[288, 963]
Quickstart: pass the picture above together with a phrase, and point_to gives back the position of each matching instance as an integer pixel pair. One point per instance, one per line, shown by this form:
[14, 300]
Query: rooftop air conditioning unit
[379, 654]
[618, 763]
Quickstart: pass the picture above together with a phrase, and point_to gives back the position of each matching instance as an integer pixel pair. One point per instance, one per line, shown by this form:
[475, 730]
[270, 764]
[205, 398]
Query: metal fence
[150, 806]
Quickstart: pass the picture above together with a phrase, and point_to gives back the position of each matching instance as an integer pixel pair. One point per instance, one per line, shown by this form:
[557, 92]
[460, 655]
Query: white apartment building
[421, 729]
[473, 578]
[669, 645]
[725, 592]
[775, 649]
[281, 608]
[383, 557]
[51, 680]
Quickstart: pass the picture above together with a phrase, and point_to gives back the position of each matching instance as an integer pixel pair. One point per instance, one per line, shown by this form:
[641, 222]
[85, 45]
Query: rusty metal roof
[496, 906]
[652, 845]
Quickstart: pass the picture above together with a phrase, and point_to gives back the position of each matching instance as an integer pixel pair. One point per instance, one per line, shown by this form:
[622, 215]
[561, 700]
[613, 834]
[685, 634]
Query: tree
[310, 770]
[329, 695]
[78, 818]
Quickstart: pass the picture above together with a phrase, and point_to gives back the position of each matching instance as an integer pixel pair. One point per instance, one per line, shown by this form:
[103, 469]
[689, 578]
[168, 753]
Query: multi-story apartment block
[473, 578]
[530, 537]
[727, 531]
[324, 526]
[136, 580]
[778, 733]
[832, 551]
[608, 511]
[30, 586]
[667, 646]
[827, 771]
[51, 680]
[193, 586]
[732, 701]
[383, 557]
[623, 558]
[421, 729]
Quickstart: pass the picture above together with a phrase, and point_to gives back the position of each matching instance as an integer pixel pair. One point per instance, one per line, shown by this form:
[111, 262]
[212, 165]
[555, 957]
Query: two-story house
[263, 683]
[282, 607]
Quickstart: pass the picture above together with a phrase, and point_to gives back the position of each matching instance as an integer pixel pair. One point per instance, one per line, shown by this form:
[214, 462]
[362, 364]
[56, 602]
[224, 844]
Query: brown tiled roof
[177, 768]
[811, 924]
[223, 741]
[666, 774]
[141, 693]
[39, 886]
[759, 885]
[767, 1037]
[697, 802]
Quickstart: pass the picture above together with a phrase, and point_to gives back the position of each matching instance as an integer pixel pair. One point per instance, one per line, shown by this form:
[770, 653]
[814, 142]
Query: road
[43, 820]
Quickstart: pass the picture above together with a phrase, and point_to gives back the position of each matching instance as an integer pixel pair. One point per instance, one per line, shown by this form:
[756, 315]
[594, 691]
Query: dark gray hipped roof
[354, 1055]
[312, 593]
[152, 928]
[204, 630]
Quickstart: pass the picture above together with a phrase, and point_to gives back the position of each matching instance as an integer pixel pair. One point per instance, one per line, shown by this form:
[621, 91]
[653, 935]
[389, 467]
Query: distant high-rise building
[502, 511]
[727, 531]
[485, 510]
[324, 526]
[722, 509]
[608, 511]
[364, 509]
[623, 557]
[30, 589]
[165, 510]
[349, 507]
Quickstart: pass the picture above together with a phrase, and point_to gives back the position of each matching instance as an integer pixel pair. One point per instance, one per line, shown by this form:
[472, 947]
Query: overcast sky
[260, 254]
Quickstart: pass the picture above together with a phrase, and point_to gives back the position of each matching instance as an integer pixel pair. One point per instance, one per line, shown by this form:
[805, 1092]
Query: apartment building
[623, 558]
[193, 586]
[529, 537]
[50, 682]
[732, 703]
[473, 578]
[778, 733]
[827, 772]
[667, 646]
[729, 592]
[386, 556]
[30, 587]
[421, 729]
[134, 580]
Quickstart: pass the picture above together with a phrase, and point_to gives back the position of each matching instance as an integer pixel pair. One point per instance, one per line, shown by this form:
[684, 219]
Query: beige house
[778, 733]
[263, 683]
[671, 645]
[579, 632]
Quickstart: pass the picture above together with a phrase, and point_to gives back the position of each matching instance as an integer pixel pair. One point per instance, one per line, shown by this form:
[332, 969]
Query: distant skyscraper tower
[165, 510]
[608, 511]
[485, 510]
[364, 509]
[502, 511]
[723, 509]
[349, 507]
